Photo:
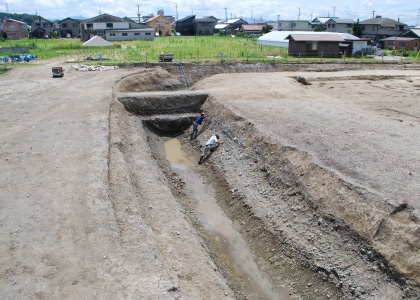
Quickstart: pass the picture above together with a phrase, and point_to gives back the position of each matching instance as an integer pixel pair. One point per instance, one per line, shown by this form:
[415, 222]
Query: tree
[357, 29]
[318, 28]
[267, 28]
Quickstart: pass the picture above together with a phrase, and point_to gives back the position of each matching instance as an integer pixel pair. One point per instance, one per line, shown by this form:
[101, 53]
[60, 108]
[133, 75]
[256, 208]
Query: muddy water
[257, 284]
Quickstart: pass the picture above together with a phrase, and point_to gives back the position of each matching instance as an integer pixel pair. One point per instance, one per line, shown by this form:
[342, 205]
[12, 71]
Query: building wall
[328, 49]
[130, 36]
[185, 28]
[359, 45]
[323, 49]
[294, 25]
[204, 28]
[332, 26]
[296, 48]
[403, 45]
[161, 24]
[70, 26]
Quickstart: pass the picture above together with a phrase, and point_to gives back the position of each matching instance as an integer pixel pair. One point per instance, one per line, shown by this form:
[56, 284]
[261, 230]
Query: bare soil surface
[322, 180]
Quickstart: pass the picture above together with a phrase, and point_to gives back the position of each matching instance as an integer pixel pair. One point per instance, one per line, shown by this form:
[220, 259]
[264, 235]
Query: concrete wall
[15, 49]
[131, 35]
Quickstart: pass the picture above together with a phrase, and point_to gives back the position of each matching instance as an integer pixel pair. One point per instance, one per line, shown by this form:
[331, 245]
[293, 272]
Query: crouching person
[211, 145]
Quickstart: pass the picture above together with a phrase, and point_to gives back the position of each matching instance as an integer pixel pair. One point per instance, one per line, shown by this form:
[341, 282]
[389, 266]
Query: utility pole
[311, 14]
[7, 7]
[225, 12]
[373, 13]
[396, 32]
[299, 14]
[251, 15]
[138, 12]
[334, 12]
[418, 17]
[176, 7]
[100, 10]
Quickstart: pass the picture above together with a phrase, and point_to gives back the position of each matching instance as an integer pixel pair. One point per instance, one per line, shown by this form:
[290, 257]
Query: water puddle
[257, 283]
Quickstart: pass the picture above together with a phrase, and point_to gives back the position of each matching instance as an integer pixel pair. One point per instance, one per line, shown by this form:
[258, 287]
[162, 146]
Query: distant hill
[19, 17]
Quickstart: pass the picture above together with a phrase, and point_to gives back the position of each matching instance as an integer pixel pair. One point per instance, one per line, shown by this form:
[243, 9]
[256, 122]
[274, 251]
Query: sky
[249, 10]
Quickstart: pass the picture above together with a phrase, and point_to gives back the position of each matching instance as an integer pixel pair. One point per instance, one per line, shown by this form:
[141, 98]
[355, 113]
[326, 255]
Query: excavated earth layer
[312, 225]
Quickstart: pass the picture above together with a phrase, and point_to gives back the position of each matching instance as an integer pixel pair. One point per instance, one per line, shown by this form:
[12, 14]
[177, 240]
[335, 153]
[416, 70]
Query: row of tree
[27, 18]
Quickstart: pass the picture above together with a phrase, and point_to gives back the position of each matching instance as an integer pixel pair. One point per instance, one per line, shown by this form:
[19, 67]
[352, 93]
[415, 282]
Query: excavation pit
[302, 221]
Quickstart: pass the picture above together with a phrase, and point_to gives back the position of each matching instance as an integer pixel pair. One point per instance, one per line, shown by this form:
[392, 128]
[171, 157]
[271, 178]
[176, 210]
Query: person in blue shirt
[195, 125]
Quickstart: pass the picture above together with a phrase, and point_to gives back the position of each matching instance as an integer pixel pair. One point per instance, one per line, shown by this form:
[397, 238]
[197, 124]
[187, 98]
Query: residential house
[321, 21]
[69, 26]
[352, 44]
[14, 29]
[234, 25]
[220, 27]
[204, 26]
[294, 25]
[160, 24]
[100, 24]
[145, 34]
[339, 25]
[41, 27]
[252, 29]
[186, 26]
[402, 43]
[413, 33]
[314, 44]
[377, 29]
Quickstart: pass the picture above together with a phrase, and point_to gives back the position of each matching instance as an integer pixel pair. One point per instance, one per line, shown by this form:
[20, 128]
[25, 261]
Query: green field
[190, 49]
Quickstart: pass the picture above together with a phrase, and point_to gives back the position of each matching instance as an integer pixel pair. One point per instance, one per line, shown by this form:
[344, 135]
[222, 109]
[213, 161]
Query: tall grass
[200, 48]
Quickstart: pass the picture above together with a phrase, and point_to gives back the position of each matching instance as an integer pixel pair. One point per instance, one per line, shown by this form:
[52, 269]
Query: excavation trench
[256, 283]
[288, 211]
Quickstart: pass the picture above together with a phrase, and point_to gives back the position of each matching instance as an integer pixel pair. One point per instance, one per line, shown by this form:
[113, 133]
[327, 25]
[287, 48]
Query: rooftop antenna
[311, 14]
[334, 12]
[373, 13]
[138, 12]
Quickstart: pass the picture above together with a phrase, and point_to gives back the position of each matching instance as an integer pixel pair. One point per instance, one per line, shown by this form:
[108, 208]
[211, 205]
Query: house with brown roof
[160, 24]
[204, 26]
[99, 25]
[69, 26]
[377, 29]
[402, 43]
[41, 27]
[314, 44]
[252, 29]
[339, 25]
[14, 29]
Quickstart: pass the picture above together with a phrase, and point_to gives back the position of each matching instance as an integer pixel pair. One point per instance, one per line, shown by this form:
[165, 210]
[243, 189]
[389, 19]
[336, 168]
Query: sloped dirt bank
[289, 207]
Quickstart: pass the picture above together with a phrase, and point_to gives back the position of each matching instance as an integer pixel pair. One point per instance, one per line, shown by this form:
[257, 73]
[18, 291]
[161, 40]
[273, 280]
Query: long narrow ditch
[288, 210]
[257, 284]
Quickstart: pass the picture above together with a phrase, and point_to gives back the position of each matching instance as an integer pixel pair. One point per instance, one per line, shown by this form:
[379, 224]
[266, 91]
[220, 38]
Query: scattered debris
[85, 68]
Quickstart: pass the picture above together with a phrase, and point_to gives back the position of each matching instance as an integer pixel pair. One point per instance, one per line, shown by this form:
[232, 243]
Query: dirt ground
[86, 213]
